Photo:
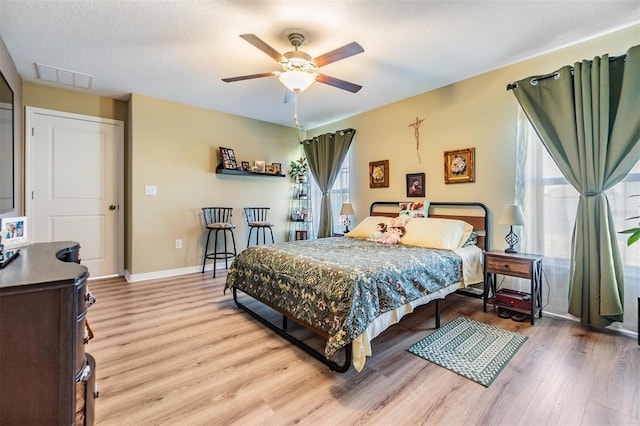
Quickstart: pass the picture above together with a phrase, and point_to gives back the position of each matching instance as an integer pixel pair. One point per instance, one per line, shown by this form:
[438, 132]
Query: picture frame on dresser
[14, 231]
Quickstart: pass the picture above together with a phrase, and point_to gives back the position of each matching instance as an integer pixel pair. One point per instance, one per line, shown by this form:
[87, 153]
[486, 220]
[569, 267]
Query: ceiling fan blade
[248, 77]
[257, 42]
[345, 51]
[336, 82]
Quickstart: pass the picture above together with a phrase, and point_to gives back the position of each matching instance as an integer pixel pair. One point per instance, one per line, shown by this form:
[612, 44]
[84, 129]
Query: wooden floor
[177, 351]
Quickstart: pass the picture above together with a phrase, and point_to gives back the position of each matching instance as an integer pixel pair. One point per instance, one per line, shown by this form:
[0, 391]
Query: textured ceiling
[180, 50]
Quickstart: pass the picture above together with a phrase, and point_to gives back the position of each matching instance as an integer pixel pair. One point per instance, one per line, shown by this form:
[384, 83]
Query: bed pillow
[436, 233]
[368, 227]
[472, 240]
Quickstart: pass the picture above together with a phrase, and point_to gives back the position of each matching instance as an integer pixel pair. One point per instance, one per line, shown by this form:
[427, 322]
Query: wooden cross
[416, 128]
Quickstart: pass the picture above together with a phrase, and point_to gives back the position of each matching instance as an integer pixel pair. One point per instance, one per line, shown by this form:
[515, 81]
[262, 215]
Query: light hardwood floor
[177, 351]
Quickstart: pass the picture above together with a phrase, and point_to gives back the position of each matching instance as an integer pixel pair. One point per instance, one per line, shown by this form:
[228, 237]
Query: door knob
[112, 207]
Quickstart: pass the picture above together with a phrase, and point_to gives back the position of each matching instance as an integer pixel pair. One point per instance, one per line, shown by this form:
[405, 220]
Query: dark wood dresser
[42, 336]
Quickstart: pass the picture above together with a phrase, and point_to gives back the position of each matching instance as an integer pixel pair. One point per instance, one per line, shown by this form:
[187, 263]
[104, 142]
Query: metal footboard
[282, 331]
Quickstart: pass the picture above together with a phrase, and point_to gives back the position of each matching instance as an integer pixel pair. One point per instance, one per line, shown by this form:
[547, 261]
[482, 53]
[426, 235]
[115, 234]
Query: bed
[350, 289]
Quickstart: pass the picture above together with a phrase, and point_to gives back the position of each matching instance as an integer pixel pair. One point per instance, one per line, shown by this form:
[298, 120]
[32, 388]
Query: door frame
[30, 113]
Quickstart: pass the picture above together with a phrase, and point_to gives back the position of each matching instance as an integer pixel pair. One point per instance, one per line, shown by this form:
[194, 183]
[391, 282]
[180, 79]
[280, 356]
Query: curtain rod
[348, 130]
[556, 75]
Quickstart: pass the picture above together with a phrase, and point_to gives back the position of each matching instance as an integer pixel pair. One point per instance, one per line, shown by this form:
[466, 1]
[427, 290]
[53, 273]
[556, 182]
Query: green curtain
[325, 154]
[588, 118]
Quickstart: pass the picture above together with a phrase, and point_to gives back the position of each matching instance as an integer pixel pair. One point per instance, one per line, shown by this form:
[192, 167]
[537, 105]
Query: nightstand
[521, 265]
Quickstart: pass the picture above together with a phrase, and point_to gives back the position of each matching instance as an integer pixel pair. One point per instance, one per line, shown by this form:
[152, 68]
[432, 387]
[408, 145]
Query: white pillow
[436, 233]
[367, 227]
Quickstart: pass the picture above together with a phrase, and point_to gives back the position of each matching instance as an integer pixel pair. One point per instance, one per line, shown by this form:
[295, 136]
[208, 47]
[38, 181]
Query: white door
[73, 185]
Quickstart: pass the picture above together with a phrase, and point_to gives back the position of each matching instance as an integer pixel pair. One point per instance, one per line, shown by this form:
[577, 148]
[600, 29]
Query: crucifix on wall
[416, 131]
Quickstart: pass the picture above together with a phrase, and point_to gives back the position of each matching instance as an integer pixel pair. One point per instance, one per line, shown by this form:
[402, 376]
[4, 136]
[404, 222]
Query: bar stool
[257, 219]
[218, 219]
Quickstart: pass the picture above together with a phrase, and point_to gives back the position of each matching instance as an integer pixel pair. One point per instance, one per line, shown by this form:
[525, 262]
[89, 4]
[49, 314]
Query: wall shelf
[223, 171]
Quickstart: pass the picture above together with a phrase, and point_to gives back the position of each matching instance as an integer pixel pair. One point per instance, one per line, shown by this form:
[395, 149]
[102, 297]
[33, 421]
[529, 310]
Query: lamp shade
[511, 215]
[347, 210]
[296, 81]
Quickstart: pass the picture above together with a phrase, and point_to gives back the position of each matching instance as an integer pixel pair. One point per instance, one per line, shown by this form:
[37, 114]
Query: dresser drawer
[512, 267]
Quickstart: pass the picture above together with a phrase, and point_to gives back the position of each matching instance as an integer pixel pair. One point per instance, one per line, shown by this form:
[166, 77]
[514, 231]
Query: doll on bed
[381, 228]
[393, 235]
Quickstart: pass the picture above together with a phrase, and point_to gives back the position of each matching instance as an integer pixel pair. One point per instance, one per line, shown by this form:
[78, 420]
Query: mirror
[6, 147]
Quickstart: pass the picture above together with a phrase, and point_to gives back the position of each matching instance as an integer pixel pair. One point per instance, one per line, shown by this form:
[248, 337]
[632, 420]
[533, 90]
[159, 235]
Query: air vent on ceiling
[62, 76]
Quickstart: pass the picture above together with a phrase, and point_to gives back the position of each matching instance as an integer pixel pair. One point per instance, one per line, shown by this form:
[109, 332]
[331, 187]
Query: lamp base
[346, 222]
[511, 239]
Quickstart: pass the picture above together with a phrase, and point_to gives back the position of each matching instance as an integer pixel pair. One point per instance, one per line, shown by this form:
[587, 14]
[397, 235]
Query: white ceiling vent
[62, 76]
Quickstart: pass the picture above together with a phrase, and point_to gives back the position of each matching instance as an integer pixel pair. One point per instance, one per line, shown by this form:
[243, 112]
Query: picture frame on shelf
[415, 185]
[245, 166]
[277, 168]
[269, 169]
[459, 165]
[379, 174]
[259, 166]
[228, 158]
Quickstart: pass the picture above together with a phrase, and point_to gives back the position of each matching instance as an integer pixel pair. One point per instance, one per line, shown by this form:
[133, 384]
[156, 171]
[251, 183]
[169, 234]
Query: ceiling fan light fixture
[296, 81]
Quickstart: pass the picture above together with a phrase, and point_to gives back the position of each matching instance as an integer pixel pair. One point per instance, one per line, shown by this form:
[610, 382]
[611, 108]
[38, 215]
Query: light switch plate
[150, 190]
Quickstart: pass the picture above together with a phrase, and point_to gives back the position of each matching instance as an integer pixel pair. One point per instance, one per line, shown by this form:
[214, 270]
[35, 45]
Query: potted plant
[299, 168]
[634, 233]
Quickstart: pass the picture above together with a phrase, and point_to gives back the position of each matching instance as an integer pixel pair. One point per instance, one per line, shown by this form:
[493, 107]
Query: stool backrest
[256, 214]
[217, 215]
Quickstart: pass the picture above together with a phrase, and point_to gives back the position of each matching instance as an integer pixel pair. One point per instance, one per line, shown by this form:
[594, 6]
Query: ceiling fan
[299, 69]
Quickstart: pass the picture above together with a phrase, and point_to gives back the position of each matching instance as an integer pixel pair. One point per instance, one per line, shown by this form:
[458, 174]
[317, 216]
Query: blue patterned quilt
[340, 285]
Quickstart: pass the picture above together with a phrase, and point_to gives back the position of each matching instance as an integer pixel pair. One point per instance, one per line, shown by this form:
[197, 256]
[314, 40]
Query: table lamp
[346, 211]
[512, 216]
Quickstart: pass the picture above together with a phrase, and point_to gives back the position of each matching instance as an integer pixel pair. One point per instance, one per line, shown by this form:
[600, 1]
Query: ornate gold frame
[459, 165]
[375, 168]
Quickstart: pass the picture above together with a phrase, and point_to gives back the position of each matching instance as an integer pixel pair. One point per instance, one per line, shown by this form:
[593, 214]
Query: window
[550, 204]
[339, 195]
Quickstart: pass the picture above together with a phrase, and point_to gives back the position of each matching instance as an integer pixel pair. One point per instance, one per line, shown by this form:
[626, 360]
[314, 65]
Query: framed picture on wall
[379, 174]
[415, 185]
[459, 165]
[228, 158]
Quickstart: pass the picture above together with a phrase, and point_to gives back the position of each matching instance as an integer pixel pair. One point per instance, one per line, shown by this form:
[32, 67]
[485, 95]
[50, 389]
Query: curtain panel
[587, 117]
[325, 154]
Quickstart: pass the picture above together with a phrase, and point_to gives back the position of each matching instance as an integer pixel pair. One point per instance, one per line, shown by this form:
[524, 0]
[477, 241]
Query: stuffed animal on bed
[381, 228]
[393, 235]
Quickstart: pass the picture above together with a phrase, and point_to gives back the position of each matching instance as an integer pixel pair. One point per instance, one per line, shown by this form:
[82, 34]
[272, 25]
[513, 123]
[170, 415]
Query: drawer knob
[506, 266]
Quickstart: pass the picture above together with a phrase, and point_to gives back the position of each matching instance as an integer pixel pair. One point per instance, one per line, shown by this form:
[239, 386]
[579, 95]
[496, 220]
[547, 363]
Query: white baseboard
[132, 278]
[617, 327]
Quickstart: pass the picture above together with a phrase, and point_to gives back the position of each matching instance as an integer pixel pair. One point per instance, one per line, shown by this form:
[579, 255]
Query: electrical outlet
[178, 244]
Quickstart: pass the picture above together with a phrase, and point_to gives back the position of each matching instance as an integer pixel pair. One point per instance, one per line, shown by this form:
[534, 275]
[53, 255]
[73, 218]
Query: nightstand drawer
[513, 267]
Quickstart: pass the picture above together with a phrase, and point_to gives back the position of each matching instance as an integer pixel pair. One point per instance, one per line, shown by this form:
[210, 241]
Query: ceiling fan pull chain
[295, 109]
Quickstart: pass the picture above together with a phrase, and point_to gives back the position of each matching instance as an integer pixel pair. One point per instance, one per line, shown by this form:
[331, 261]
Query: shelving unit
[221, 170]
[300, 217]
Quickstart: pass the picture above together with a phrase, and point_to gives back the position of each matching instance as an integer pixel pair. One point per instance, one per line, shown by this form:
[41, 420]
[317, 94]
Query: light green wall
[478, 112]
[175, 147]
